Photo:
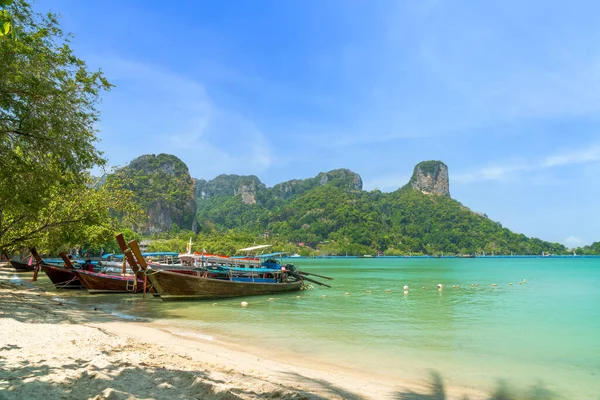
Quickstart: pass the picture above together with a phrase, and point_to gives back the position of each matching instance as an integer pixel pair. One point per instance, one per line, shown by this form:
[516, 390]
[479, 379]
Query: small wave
[191, 334]
[125, 316]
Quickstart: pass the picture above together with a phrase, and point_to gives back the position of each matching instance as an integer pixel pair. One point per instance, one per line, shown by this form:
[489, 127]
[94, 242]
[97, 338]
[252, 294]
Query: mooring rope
[65, 283]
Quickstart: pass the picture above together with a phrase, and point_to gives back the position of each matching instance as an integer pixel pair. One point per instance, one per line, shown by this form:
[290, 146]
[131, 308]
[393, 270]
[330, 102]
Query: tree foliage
[337, 220]
[48, 101]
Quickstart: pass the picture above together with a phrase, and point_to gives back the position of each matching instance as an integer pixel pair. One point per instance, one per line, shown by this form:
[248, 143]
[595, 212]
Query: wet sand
[52, 349]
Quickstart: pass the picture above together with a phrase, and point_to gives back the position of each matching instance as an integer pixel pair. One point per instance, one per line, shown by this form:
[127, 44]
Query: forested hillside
[329, 213]
[340, 221]
[338, 217]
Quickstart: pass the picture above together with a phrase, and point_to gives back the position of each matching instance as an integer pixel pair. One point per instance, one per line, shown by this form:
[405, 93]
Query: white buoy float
[244, 304]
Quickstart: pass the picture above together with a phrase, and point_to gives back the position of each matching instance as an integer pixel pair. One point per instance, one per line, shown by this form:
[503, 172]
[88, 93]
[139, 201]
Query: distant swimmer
[524, 280]
[494, 284]
[510, 284]
[440, 286]
[406, 288]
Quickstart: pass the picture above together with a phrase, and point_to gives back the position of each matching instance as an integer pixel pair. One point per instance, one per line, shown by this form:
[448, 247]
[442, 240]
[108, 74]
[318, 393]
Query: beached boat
[95, 282]
[465, 256]
[21, 266]
[61, 277]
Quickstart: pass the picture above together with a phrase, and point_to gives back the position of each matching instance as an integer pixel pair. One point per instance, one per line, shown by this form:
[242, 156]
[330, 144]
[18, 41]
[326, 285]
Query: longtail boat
[61, 277]
[213, 281]
[96, 282]
[21, 266]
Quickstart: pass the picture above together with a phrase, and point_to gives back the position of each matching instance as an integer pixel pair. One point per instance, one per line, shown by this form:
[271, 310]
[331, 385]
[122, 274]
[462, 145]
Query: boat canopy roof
[262, 246]
[276, 254]
[259, 270]
[155, 254]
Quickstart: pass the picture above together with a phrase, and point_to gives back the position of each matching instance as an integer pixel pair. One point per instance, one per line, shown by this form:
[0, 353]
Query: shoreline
[56, 349]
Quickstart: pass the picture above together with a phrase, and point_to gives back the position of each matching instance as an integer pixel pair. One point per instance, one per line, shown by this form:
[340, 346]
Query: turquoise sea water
[544, 332]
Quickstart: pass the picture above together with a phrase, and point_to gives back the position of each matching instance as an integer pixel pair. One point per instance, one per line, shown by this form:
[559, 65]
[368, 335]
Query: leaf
[6, 2]
[5, 29]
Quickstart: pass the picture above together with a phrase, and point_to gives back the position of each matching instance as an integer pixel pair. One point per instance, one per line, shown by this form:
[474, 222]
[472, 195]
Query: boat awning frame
[262, 246]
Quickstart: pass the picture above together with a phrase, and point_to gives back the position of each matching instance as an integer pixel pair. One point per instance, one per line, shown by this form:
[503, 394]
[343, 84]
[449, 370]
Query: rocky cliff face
[164, 189]
[431, 177]
[343, 178]
[247, 186]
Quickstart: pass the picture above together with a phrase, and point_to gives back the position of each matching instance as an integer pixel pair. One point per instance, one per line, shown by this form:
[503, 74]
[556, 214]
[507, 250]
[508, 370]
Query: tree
[48, 101]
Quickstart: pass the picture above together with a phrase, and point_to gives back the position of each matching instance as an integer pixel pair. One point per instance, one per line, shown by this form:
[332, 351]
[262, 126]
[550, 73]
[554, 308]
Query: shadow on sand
[503, 391]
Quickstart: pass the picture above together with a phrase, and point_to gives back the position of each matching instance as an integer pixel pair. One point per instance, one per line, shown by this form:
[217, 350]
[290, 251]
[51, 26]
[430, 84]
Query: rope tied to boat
[150, 271]
[64, 284]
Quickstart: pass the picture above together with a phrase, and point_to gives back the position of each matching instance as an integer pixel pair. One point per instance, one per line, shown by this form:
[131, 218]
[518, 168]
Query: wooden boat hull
[103, 283]
[179, 286]
[61, 278]
[21, 266]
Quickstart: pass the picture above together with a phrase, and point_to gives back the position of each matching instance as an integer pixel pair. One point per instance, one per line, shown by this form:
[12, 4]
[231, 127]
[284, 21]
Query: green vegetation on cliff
[327, 214]
[162, 186]
[339, 220]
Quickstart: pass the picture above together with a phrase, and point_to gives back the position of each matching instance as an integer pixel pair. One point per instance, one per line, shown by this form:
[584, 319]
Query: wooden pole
[68, 263]
[138, 254]
[140, 259]
[310, 273]
[38, 263]
[304, 278]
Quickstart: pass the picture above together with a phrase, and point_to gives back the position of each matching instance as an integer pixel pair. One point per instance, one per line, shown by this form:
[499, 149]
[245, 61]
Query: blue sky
[507, 94]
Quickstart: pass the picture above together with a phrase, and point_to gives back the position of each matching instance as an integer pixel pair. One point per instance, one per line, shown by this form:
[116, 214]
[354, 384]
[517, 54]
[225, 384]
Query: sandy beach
[52, 349]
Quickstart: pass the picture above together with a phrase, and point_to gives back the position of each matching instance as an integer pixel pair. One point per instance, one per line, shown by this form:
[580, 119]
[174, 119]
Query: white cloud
[387, 183]
[508, 170]
[581, 156]
[165, 112]
[573, 241]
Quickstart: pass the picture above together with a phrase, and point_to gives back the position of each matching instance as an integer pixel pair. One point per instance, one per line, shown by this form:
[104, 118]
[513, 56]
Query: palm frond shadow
[503, 391]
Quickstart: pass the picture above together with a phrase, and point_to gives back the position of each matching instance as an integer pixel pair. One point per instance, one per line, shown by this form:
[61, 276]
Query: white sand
[51, 350]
